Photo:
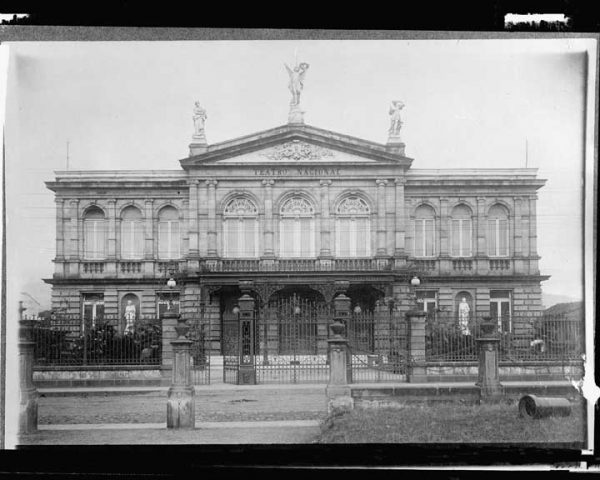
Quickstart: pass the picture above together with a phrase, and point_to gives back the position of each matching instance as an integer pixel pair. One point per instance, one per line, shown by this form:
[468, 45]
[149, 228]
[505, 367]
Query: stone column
[480, 233]
[399, 250]
[74, 214]
[416, 346]
[325, 220]
[193, 219]
[268, 251]
[180, 397]
[381, 250]
[532, 226]
[148, 267]
[112, 229]
[338, 390]
[60, 230]
[212, 218]
[490, 388]
[28, 395]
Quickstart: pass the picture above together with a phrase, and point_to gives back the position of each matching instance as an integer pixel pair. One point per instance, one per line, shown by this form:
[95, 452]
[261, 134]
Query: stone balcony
[435, 266]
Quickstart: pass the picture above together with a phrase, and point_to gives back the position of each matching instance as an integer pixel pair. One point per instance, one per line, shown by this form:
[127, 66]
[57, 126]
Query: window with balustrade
[94, 234]
[240, 229]
[498, 231]
[297, 228]
[168, 233]
[353, 228]
[132, 234]
[461, 232]
[424, 232]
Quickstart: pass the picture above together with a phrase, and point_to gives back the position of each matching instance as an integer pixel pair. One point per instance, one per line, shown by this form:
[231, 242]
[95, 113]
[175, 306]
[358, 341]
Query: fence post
[180, 397]
[28, 398]
[338, 391]
[417, 370]
[490, 388]
[247, 370]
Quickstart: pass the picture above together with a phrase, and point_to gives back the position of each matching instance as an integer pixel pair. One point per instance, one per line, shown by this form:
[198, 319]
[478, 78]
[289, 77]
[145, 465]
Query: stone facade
[363, 215]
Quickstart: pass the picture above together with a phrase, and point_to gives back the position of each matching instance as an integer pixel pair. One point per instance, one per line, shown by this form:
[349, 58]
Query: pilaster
[381, 250]
[400, 231]
[60, 229]
[268, 224]
[193, 219]
[74, 229]
[326, 250]
[212, 218]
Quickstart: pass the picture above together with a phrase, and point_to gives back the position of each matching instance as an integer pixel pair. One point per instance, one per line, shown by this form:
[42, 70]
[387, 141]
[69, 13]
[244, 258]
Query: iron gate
[200, 352]
[378, 346]
[288, 343]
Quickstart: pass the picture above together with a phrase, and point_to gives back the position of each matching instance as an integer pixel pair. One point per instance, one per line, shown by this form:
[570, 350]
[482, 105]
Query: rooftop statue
[199, 118]
[296, 81]
[395, 121]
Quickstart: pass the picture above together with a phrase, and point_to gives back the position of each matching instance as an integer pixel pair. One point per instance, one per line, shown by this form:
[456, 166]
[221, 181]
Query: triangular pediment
[296, 144]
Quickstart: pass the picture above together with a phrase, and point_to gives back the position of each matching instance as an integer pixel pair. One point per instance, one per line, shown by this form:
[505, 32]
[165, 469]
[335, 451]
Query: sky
[128, 105]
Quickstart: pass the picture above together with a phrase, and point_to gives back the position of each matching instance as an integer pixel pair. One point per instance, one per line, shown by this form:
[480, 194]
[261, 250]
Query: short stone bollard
[180, 397]
[28, 394]
[531, 406]
[490, 388]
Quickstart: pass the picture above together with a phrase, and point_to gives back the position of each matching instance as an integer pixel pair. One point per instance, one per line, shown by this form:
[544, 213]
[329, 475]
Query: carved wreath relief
[297, 150]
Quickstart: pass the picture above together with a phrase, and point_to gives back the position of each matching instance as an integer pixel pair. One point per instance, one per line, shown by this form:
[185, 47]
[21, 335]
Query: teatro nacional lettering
[299, 171]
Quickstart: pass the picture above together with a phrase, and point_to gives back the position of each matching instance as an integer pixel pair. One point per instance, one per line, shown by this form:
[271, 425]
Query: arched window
[240, 229]
[132, 233]
[461, 232]
[168, 233]
[94, 234]
[498, 231]
[297, 228]
[424, 239]
[353, 228]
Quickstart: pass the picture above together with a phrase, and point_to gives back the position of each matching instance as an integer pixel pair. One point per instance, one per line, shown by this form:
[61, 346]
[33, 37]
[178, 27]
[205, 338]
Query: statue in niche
[395, 121]
[296, 81]
[199, 118]
[130, 313]
[463, 316]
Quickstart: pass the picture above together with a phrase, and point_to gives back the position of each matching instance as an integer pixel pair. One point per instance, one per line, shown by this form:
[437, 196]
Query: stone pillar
[338, 390]
[480, 234]
[532, 226]
[399, 249]
[490, 388]
[246, 371]
[28, 395]
[112, 229]
[180, 397]
[74, 240]
[417, 371]
[268, 225]
[193, 219]
[444, 228]
[381, 250]
[325, 220]
[212, 218]
[60, 230]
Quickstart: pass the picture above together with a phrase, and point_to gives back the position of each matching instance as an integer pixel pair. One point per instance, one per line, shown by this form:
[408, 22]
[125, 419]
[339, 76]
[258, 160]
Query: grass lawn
[448, 423]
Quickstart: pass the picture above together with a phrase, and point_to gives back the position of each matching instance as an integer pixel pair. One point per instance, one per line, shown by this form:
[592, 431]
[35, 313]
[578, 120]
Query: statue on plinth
[395, 120]
[296, 81]
[130, 313]
[199, 118]
[463, 316]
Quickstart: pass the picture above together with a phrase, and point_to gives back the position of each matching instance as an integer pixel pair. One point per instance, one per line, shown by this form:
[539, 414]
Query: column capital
[59, 201]
[74, 201]
[400, 181]
[111, 201]
[444, 199]
[480, 199]
[325, 183]
[533, 196]
[381, 182]
[149, 201]
[211, 183]
[268, 182]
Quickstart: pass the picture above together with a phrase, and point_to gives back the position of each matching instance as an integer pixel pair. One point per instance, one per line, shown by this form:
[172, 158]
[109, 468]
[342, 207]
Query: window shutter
[466, 238]
[174, 244]
[163, 239]
[430, 238]
[503, 247]
[492, 237]
[138, 239]
[418, 240]
[455, 238]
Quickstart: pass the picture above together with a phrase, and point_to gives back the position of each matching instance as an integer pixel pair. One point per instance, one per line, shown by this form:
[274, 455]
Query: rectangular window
[168, 239]
[498, 237]
[352, 237]
[240, 238]
[94, 240]
[93, 310]
[461, 236]
[500, 309]
[297, 237]
[427, 301]
[132, 240]
[424, 239]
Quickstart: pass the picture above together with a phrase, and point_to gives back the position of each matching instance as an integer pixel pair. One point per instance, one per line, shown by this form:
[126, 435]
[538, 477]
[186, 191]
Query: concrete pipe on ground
[531, 406]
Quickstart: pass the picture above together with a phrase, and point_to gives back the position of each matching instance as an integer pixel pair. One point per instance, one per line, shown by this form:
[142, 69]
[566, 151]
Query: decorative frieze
[297, 150]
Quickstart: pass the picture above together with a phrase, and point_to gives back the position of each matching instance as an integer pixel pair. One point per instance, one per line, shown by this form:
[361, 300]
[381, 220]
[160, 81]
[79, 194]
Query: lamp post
[180, 397]
[417, 371]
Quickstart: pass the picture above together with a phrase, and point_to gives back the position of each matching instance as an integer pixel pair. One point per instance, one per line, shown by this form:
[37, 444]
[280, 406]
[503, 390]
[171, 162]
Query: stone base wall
[96, 378]
[467, 372]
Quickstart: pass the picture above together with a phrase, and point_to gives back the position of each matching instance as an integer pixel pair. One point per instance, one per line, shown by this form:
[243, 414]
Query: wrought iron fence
[556, 338]
[69, 340]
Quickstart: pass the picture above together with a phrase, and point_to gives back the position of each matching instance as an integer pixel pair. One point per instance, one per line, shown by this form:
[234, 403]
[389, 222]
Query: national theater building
[300, 213]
